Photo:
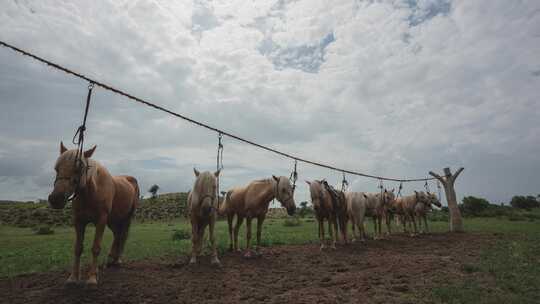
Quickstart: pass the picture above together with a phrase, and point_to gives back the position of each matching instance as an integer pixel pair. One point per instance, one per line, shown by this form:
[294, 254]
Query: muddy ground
[396, 270]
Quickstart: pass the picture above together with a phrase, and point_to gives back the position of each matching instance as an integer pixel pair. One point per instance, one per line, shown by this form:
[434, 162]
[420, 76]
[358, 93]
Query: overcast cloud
[390, 87]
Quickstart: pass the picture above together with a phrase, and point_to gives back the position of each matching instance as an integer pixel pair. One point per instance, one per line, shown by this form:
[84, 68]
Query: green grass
[22, 251]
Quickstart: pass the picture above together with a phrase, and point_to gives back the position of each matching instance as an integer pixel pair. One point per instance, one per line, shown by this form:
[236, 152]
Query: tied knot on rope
[344, 183]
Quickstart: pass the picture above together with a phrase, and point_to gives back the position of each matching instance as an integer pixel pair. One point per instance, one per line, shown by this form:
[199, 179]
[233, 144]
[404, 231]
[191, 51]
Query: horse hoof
[248, 255]
[193, 261]
[216, 262]
[71, 283]
[91, 283]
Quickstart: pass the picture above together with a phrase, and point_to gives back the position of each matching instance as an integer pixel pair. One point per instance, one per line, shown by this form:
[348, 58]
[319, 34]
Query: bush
[516, 217]
[474, 205]
[524, 202]
[43, 230]
[292, 222]
[181, 234]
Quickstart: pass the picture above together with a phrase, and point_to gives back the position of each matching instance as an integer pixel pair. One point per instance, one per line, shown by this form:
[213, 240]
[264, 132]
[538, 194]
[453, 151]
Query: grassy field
[22, 251]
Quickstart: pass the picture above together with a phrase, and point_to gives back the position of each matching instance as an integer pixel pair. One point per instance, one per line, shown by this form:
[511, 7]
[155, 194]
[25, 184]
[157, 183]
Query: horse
[251, 202]
[202, 202]
[405, 207]
[377, 206]
[98, 198]
[356, 210]
[423, 207]
[325, 209]
[340, 207]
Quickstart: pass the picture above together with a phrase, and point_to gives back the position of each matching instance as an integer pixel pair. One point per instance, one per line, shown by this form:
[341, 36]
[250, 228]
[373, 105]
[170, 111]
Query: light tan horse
[405, 207]
[377, 206]
[251, 202]
[356, 210]
[202, 204]
[99, 198]
[325, 209]
[422, 208]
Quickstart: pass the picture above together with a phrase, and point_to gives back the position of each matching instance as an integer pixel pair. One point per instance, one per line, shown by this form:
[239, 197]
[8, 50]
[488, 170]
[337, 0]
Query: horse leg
[115, 248]
[388, 224]
[260, 221]
[239, 220]
[321, 232]
[215, 260]
[96, 249]
[194, 241]
[375, 227]
[425, 224]
[354, 230]
[78, 248]
[414, 224]
[332, 225]
[248, 237]
[230, 219]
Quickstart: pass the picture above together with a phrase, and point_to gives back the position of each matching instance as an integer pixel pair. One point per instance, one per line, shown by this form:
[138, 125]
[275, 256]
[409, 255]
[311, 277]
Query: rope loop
[399, 189]
[219, 163]
[426, 185]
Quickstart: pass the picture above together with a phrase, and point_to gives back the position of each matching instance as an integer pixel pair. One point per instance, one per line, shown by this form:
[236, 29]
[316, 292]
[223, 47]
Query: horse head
[284, 193]
[71, 175]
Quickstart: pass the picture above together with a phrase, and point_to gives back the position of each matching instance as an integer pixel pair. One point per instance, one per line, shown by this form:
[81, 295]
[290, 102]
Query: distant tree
[304, 209]
[524, 202]
[154, 190]
[474, 205]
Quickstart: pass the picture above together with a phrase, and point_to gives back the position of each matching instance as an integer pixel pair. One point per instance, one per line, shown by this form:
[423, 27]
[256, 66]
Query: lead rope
[294, 175]
[78, 139]
[399, 189]
[219, 164]
[426, 185]
[344, 183]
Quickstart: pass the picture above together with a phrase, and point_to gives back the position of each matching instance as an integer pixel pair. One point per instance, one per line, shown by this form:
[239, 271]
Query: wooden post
[448, 180]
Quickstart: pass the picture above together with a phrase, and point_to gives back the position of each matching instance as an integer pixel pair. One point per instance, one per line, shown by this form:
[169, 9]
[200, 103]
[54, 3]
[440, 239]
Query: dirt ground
[395, 270]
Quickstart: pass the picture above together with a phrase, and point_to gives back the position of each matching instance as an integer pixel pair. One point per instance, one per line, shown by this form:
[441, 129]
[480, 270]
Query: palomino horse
[99, 198]
[356, 210]
[405, 207]
[202, 202]
[340, 207]
[377, 206]
[422, 208]
[325, 209]
[251, 202]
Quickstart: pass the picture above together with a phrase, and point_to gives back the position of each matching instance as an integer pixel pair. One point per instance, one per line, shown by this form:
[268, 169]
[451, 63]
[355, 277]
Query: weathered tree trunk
[448, 180]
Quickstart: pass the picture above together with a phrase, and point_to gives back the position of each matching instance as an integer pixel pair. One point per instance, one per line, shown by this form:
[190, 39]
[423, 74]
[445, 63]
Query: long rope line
[201, 124]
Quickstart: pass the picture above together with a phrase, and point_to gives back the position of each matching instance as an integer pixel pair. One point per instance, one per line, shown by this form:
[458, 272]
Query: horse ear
[62, 148]
[196, 172]
[365, 195]
[308, 182]
[276, 178]
[216, 174]
[393, 189]
[385, 190]
[88, 153]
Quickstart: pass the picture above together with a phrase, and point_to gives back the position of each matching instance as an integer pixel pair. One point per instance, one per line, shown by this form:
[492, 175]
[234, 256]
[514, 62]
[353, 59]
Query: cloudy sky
[389, 87]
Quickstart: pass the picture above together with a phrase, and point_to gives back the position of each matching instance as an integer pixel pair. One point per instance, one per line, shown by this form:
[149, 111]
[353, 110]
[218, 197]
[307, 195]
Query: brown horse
[202, 201]
[377, 206]
[405, 207]
[99, 198]
[325, 209]
[251, 202]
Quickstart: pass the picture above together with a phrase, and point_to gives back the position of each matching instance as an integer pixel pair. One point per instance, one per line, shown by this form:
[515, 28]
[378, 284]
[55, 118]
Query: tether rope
[204, 125]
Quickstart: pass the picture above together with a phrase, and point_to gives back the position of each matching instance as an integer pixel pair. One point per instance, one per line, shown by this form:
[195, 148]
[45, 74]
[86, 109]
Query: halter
[80, 169]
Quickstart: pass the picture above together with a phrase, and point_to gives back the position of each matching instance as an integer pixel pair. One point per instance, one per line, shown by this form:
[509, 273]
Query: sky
[387, 87]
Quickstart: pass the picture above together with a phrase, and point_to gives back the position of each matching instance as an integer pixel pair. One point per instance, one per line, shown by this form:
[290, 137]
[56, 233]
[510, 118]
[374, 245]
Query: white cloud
[404, 87]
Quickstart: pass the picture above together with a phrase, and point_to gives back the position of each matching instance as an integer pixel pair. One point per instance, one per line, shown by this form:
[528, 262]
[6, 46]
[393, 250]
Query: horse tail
[131, 214]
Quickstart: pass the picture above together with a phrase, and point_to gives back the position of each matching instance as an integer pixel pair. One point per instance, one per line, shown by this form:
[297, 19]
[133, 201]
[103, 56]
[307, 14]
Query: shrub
[516, 217]
[43, 230]
[181, 234]
[524, 202]
[292, 222]
[474, 205]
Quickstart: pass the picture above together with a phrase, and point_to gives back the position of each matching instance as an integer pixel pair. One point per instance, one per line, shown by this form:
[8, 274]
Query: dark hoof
[71, 284]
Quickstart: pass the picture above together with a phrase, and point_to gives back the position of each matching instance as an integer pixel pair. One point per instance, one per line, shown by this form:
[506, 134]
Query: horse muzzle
[58, 200]
[291, 210]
